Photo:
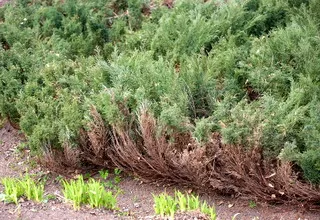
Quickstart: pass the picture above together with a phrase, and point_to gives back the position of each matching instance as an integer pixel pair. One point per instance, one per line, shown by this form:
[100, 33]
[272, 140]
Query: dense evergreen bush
[246, 69]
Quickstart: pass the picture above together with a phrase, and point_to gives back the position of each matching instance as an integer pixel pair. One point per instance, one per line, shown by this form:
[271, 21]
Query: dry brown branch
[236, 170]
[65, 162]
[95, 143]
[144, 150]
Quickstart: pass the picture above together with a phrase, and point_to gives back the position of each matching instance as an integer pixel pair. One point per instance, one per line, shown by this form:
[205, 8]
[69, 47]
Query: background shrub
[245, 69]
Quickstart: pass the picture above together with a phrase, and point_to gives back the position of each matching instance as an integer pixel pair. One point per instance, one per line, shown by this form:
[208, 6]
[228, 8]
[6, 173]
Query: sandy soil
[135, 201]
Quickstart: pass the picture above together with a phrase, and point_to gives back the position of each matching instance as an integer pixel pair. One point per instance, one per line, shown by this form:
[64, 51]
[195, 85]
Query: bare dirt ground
[135, 201]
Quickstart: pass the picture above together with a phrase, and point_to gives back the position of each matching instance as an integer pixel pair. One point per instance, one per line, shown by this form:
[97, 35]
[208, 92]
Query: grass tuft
[166, 205]
[93, 193]
[14, 188]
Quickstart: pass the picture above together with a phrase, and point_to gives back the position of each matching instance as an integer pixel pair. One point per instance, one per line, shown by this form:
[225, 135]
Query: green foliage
[166, 205]
[208, 210]
[35, 36]
[247, 69]
[308, 160]
[252, 204]
[117, 178]
[14, 188]
[204, 127]
[92, 193]
[193, 202]
[111, 183]
[75, 191]
[52, 104]
[98, 197]
[104, 174]
[32, 190]
[182, 201]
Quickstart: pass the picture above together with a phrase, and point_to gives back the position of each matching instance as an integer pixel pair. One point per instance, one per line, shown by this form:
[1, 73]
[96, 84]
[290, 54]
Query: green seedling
[74, 191]
[27, 186]
[182, 201]
[252, 204]
[15, 188]
[123, 213]
[117, 178]
[92, 193]
[104, 174]
[117, 171]
[193, 202]
[209, 211]
[165, 205]
[95, 194]
[12, 189]
[33, 191]
[49, 197]
[109, 184]
[59, 178]
[86, 176]
[98, 197]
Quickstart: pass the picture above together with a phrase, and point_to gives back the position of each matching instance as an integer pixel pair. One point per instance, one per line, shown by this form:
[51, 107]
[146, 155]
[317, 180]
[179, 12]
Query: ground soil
[135, 201]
